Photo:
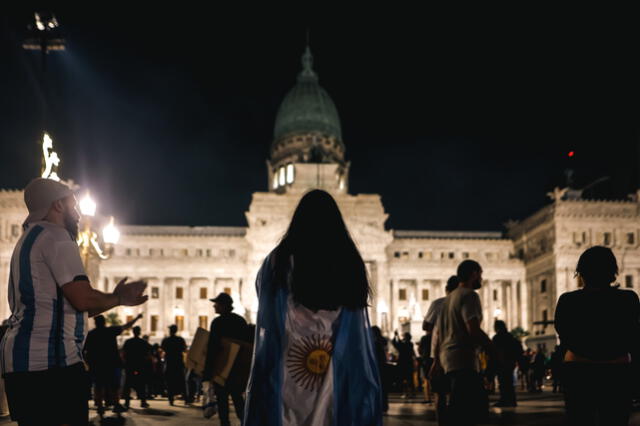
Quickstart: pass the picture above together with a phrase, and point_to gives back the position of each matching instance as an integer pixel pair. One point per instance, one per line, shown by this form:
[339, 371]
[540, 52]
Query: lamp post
[88, 239]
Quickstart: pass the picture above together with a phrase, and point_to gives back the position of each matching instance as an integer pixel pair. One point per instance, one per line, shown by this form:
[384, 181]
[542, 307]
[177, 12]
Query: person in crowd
[174, 348]
[158, 387]
[406, 359]
[509, 351]
[50, 298]
[137, 366]
[538, 369]
[555, 364]
[424, 355]
[380, 346]
[438, 381]
[459, 335]
[232, 326]
[598, 325]
[314, 363]
[105, 365]
[524, 368]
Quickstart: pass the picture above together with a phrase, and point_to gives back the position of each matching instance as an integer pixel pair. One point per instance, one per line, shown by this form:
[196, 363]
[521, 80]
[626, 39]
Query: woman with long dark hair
[314, 362]
[599, 327]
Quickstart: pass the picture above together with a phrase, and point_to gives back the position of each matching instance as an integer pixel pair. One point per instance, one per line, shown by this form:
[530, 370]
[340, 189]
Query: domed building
[525, 269]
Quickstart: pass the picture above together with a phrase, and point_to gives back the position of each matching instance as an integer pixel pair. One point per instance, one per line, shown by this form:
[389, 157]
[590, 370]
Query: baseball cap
[223, 298]
[40, 194]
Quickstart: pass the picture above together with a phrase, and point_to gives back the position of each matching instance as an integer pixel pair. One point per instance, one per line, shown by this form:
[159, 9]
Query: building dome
[307, 125]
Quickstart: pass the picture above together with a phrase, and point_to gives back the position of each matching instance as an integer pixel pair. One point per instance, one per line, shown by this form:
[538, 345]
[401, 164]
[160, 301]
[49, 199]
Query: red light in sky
[571, 153]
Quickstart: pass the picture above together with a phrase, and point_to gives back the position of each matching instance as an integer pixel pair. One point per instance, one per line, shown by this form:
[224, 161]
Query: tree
[519, 333]
[112, 319]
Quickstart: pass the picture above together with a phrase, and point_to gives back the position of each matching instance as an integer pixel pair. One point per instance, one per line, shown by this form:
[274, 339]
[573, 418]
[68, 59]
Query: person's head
[597, 267]
[99, 321]
[452, 284]
[222, 303]
[470, 274]
[500, 326]
[137, 331]
[407, 337]
[328, 271]
[173, 329]
[52, 201]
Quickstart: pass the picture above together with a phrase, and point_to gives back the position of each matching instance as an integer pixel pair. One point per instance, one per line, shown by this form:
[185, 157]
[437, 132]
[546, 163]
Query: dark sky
[459, 122]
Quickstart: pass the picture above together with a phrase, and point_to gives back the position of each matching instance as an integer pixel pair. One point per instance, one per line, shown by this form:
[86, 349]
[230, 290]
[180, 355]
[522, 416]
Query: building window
[227, 290]
[420, 255]
[179, 292]
[275, 180]
[405, 254]
[452, 255]
[128, 252]
[402, 294]
[628, 281]
[180, 322]
[199, 252]
[607, 238]
[281, 176]
[290, 173]
[154, 324]
[203, 292]
[465, 255]
[208, 252]
[396, 254]
[15, 230]
[495, 295]
[543, 286]
[425, 294]
[631, 238]
[203, 322]
[489, 256]
[127, 331]
[155, 292]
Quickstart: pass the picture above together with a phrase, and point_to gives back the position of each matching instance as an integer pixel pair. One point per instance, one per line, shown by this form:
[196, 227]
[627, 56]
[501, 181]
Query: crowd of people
[313, 357]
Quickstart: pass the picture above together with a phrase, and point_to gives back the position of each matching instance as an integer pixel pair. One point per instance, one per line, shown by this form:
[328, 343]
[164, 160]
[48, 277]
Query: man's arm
[130, 323]
[477, 334]
[85, 298]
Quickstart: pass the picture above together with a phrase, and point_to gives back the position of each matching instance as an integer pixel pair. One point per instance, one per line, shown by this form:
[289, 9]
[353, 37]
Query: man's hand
[130, 294]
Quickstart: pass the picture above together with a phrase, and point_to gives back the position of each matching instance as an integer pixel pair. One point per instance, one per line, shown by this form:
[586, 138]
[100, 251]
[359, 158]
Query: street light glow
[88, 206]
[111, 234]
[497, 312]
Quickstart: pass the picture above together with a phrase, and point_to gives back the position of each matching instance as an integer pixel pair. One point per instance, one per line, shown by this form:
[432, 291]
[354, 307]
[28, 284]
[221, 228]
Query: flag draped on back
[356, 399]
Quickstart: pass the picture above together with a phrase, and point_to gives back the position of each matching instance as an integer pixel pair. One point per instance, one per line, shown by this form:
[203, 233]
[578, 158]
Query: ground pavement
[544, 408]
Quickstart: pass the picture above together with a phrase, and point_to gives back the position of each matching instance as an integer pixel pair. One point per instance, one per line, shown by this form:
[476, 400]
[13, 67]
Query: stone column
[524, 299]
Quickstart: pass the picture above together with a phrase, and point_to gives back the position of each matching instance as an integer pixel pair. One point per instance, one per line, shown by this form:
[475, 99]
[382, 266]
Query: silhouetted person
[598, 326]
[459, 335]
[137, 366]
[380, 347]
[314, 353]
[406, 357]
[232, 326]
[509, 351]
[105, 364]
[524, 365]
[538, 369]
[555, 363]
[174, 347]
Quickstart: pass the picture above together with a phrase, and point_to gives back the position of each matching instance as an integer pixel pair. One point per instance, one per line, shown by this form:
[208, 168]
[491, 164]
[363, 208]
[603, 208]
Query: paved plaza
[533, 409]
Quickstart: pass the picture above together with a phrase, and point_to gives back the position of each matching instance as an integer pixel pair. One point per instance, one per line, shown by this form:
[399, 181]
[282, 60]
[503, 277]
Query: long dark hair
[328, 271]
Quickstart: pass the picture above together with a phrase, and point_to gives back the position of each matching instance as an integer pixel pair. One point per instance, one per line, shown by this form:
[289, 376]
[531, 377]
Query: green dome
[307, 107]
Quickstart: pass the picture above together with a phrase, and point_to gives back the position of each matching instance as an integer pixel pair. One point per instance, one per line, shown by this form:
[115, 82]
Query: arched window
[290, 173]
[275, 180]
[281, 177]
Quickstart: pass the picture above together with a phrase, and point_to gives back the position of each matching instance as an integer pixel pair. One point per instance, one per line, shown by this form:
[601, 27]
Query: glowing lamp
[497, 312]
[571, 153]
[88, 206]
[110, 233]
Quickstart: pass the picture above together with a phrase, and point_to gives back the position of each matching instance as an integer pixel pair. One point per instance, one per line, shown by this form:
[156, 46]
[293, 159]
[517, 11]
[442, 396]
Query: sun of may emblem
[308, 361]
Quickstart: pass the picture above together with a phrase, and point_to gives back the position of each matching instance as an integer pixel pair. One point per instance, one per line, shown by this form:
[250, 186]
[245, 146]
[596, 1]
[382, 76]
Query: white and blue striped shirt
[45, 331]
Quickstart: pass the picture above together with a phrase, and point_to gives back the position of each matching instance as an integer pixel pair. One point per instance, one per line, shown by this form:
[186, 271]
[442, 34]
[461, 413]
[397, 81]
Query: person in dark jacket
[406, 357]
[174, 347]
[599, 327]
[231, 326]
[380, 347]
[137, 366]
[509, 351]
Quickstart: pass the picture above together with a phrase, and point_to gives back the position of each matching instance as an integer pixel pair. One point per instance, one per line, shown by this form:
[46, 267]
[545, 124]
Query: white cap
[40, 194]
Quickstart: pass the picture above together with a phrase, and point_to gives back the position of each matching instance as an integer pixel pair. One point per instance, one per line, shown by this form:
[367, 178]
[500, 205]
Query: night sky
[458, 122]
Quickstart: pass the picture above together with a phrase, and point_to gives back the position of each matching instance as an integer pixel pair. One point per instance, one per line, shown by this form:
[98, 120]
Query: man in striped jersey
[50, 299]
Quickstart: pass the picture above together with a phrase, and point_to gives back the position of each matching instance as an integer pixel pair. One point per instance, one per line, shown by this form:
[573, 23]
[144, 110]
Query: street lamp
[88, 239]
